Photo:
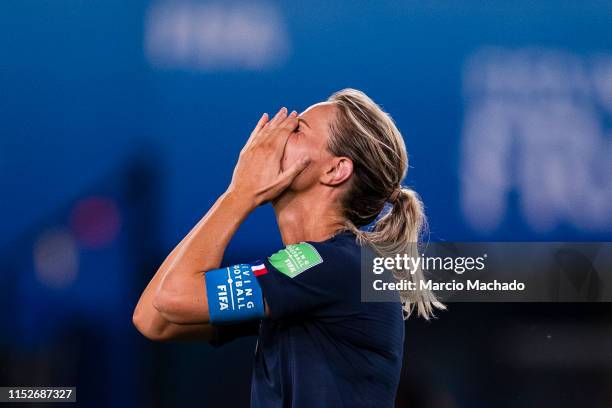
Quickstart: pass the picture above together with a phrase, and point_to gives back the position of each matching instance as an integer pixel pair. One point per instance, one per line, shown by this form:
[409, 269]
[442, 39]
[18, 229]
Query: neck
[306, 217]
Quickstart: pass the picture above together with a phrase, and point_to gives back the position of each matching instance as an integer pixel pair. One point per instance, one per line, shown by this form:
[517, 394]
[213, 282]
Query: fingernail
[293, 113]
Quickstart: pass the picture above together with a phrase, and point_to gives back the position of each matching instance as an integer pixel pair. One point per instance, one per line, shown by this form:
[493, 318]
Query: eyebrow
[302, 120]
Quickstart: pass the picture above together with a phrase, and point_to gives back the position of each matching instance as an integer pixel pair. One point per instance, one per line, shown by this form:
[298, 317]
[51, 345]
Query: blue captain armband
[234, 295]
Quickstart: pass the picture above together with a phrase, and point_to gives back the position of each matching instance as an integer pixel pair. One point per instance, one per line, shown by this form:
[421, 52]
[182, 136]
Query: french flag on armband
[259, 269]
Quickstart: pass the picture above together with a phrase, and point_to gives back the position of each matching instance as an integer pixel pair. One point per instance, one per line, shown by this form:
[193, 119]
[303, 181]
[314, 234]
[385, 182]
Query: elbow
[145, 327]
[163, 302]
[180, 309]
[140, 323]
[169, 306]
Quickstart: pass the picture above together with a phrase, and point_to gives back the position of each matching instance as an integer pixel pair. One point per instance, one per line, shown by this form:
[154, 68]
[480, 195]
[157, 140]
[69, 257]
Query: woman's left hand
[257, 175]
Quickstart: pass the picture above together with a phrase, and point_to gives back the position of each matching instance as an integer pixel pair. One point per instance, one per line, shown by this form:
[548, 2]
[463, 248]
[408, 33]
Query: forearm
[177, 292]
[205, 245]
[181, 296]
[147, 318]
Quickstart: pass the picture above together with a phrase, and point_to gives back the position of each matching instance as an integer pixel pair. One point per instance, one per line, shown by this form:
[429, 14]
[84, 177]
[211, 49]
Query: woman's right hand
[258, 176]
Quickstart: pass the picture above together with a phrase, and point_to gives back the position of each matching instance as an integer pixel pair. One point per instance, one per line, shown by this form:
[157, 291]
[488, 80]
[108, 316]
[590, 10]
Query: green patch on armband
[295, 259]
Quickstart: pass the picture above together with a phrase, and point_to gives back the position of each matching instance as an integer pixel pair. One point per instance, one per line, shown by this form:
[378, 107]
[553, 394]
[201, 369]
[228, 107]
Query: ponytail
[399, 231]
[367, 135]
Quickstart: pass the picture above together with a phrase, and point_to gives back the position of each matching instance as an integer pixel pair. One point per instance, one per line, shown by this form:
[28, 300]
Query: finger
[286, 128]
[290, 121]
[288, 124]
[276, 139]
[260, 124]
[262, 121]
[287, 177]
[257, 130]
[279, 135]
[280, 116]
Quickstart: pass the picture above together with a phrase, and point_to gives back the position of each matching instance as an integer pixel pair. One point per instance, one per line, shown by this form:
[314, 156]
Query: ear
[337, 171]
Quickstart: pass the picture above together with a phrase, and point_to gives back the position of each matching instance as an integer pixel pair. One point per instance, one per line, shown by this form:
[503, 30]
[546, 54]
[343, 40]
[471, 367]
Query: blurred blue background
[120, 123]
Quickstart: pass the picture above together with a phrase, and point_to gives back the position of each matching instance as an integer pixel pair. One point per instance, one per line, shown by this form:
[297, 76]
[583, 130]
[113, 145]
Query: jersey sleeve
[305, 279]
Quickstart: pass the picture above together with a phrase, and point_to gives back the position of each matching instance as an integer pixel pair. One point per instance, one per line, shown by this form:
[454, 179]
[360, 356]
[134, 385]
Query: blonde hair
[367, 135]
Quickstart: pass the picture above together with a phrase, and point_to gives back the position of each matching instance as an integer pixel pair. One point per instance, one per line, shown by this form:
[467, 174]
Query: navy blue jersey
[321, 346]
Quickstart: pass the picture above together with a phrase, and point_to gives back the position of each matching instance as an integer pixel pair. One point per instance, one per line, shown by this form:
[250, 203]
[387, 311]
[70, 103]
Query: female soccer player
[328, 173]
